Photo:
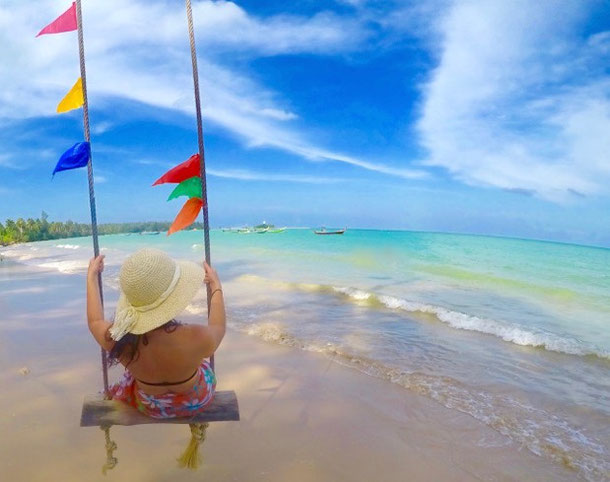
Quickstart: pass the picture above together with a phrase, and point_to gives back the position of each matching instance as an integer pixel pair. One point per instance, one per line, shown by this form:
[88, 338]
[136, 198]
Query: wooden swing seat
[100, 412]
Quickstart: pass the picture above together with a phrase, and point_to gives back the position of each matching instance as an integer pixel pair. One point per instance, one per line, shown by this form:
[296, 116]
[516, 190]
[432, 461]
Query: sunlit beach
[343, 241]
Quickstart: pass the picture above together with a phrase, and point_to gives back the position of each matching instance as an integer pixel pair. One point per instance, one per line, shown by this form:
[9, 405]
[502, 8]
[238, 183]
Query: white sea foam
[195, 309]
[17, 255]
[66, 267]
[501, 329]
[509, 332]
[49, 257]
[543, 433]
[67, 246]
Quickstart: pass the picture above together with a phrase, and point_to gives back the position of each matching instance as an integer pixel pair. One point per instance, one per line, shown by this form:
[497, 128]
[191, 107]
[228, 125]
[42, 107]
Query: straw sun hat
[154, 290]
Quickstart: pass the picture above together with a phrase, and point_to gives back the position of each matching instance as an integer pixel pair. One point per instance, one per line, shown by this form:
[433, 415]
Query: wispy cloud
[5, 161]
[124, 60]
[252, 175]
[101, 127]
[248, 175]
[520, 99]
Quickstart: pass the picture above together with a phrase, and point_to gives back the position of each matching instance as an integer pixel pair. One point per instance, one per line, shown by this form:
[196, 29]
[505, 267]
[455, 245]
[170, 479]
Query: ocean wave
[506, 331]
[462, 321]
[541, 432]
[31, 256]
[67, 246]
[65, 267]
[17, 255]
[64, 258]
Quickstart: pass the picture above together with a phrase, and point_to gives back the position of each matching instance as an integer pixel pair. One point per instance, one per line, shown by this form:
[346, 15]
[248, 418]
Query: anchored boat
[325, 231]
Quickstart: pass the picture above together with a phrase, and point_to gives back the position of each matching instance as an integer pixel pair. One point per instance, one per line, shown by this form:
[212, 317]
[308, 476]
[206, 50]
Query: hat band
[126, 319]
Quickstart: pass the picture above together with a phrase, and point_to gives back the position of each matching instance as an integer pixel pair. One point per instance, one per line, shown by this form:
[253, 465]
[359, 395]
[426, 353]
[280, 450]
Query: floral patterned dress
[170, 404]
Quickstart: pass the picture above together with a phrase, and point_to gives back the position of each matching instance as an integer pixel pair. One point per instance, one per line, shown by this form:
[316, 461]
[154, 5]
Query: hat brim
[191, 280]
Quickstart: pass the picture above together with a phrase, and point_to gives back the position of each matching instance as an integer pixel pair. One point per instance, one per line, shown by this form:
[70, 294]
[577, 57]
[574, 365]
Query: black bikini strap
[164, 384]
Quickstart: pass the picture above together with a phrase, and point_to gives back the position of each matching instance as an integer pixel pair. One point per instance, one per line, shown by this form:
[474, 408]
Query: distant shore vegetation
[41, 229]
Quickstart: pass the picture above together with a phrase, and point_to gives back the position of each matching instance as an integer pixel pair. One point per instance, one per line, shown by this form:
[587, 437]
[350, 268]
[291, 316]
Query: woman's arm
[95, 312]
[217, 321]
[208, 337]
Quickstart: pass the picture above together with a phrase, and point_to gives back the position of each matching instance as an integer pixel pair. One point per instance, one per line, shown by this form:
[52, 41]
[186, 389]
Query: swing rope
[204, 190]
[191, 458]
[111, 446]
[94, 231]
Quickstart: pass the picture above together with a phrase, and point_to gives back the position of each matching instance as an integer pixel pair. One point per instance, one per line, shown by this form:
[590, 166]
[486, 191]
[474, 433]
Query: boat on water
[325, 231]
[259, 229]
[252, 230]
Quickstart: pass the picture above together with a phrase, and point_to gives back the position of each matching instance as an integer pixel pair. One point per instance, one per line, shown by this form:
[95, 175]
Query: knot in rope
[191, 458]
[198, 431]
[111, 446]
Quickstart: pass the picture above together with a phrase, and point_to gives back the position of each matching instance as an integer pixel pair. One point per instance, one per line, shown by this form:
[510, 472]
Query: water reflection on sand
[304, 418]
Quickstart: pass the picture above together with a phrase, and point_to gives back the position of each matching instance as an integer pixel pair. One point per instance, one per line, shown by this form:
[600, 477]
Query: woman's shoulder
[193, 333]
[197, 336]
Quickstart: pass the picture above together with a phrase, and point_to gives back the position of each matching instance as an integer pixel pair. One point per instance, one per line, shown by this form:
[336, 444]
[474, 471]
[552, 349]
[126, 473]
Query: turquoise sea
[515, 333]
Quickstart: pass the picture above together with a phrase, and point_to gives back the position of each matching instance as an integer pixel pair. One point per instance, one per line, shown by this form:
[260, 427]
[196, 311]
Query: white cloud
[518, 100]
[8, 162]
[278, 114]
[101, 127]
[139, 51]
[5, 161]
[248, 175]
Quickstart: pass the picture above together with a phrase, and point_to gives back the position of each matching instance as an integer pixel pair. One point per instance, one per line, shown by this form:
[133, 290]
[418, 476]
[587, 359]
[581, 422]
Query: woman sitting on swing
[166, 371]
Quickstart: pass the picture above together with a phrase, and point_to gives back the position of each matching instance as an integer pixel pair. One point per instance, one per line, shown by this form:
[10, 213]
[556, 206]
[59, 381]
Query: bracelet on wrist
[213, 292]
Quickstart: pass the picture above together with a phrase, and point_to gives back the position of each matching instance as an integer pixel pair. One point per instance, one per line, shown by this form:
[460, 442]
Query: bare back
[168, 357]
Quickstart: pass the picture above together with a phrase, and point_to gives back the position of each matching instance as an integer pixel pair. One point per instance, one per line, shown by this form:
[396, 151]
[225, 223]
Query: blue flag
[75, 157]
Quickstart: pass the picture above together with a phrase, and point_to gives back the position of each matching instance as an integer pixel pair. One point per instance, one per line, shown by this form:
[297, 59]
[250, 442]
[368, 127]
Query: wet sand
[304, 417]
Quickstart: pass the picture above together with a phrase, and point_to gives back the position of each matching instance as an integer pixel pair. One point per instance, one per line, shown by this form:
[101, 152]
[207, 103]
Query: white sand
[304, 417]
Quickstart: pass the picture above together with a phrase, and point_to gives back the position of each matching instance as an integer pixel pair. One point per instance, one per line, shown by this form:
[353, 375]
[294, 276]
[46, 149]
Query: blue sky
[472, 116]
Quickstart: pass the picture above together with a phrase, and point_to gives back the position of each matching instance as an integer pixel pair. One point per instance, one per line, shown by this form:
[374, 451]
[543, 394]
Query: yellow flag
[73, 99]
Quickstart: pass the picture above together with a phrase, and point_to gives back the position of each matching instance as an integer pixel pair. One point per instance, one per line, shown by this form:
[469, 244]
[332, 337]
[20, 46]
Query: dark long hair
[128, 345]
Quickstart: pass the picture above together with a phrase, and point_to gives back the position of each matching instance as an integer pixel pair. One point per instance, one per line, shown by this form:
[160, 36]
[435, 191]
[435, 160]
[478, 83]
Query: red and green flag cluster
[79, 154]
[187, 177]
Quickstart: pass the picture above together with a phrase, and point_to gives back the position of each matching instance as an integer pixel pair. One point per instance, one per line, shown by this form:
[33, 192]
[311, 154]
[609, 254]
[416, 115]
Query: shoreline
[304, 417]
[382, 230]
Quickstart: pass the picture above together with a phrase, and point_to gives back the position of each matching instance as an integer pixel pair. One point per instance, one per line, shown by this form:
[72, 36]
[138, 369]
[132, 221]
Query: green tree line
[27, 230]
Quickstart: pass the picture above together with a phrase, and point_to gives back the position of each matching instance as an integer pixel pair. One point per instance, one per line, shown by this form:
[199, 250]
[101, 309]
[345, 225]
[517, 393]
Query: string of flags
[78, 155]
[187, 176]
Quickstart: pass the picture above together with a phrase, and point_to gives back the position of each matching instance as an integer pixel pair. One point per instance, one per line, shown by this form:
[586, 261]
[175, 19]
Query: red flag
[187, 215]
[182, 172]
[66, 22]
